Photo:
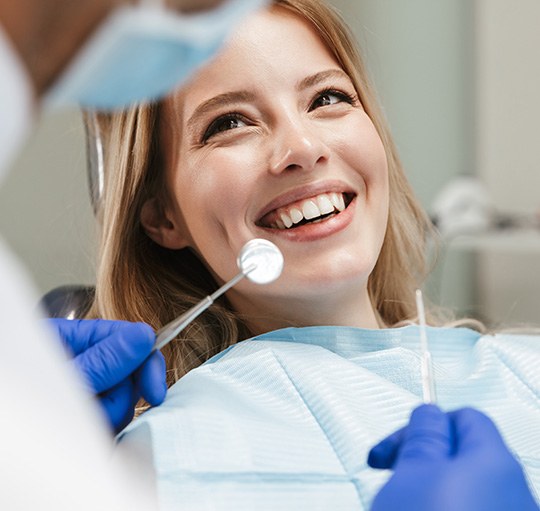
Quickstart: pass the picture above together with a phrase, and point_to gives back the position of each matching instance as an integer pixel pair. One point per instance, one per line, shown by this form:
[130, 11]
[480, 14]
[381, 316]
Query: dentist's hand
[453, 461]
[112, 357]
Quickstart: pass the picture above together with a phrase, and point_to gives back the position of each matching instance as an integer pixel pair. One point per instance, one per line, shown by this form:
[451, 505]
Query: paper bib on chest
[285, 421]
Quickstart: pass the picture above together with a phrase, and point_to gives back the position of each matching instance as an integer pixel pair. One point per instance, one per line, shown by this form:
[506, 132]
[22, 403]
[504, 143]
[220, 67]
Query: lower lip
[318, 230]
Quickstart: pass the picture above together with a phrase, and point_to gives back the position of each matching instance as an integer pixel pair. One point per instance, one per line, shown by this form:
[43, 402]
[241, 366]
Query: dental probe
[428, 381]
[259, 260]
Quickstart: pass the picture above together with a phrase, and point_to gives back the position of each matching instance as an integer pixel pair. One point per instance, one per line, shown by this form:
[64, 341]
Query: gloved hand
[453, 461]
[112, 357]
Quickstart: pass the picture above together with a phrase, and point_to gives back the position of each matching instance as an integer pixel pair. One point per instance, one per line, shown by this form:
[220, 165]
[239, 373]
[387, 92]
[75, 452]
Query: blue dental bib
[284, 421]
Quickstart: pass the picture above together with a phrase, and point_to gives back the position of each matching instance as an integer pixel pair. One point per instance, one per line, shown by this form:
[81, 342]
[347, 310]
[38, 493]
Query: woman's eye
[327, 98]
[221, 124]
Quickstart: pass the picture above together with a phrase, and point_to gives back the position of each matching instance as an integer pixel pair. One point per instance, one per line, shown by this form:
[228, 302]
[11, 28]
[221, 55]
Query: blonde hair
[138, 280]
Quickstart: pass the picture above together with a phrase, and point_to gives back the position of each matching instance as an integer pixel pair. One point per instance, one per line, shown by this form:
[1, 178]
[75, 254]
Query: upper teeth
[308, 209]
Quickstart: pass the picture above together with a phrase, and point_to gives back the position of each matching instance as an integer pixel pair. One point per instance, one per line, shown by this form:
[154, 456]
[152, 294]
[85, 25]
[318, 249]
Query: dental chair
[70, 302]
[74, 301]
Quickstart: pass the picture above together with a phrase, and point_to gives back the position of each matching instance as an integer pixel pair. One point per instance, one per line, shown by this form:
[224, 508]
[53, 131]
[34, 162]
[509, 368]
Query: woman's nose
[296, 148]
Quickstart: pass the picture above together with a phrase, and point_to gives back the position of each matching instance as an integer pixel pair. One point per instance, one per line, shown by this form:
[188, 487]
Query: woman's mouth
[312, 210]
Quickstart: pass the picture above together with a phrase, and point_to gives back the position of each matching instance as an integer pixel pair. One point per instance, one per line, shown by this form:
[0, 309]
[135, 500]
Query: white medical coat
[55, 450]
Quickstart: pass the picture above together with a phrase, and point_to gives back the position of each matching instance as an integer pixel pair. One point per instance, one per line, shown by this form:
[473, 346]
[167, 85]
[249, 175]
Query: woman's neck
[355, 311]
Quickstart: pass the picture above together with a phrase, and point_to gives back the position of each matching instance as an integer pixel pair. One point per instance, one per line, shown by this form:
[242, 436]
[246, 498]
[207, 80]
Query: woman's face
[270, 141]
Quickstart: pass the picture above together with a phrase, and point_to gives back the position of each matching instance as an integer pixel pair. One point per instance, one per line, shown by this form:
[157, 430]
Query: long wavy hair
[138, 280]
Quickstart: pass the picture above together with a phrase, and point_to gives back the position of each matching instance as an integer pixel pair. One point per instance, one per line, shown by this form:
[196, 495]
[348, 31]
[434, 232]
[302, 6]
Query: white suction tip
[261, 261]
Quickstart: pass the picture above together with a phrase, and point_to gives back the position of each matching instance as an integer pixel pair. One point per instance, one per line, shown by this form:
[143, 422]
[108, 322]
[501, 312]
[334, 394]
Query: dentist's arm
[113, 359]
[453, 461]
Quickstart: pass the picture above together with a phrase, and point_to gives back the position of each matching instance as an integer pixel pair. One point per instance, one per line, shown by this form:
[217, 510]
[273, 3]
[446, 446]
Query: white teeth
[338, 201]
[313, 208]
[286, 220]
[310, 210]
[296, 215]
[334, 199]
[325, 204]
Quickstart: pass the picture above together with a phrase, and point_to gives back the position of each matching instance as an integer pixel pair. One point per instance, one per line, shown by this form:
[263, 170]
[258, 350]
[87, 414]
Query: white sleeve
[55, 450]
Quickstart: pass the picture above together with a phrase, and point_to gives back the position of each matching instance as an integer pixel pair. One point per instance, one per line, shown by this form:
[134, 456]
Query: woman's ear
[162, 229]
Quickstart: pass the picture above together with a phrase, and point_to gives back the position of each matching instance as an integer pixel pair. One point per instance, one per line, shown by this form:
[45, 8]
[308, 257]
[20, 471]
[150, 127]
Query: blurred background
[459, 82]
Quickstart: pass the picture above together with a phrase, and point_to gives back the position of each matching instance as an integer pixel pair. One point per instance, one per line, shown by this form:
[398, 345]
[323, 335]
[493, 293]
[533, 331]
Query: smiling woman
[246, 147]
[261, 151]
[280, 137]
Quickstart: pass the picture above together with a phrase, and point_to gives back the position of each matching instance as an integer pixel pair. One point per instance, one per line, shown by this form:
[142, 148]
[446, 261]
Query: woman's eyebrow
[317, 78]
[218, 101]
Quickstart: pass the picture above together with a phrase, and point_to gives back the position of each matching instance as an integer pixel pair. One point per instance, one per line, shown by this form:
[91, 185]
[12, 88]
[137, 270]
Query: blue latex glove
[112, 357]
[453, 461]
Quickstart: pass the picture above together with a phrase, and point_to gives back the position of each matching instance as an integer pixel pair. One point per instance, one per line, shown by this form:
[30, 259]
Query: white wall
[45, 212]
[508, 147]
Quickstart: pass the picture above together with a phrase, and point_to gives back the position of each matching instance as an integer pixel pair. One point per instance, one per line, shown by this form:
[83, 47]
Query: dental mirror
[259, 260]
[266, 259]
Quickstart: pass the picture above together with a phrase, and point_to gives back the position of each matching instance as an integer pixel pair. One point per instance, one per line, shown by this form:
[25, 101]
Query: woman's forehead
[269, 47]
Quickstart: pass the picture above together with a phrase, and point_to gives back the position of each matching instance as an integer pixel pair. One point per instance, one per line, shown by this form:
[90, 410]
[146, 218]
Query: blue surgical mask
[142, 52]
